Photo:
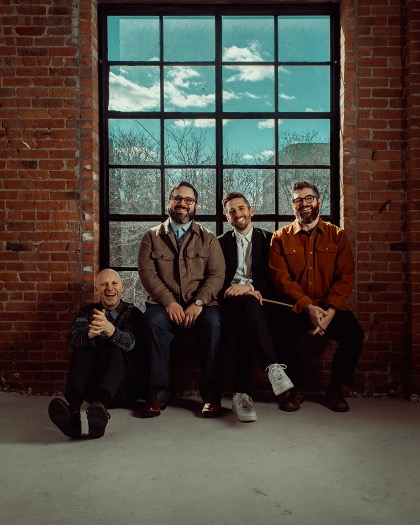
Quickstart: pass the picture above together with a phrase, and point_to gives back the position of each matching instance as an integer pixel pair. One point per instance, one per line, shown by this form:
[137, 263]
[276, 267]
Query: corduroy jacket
[316, 269]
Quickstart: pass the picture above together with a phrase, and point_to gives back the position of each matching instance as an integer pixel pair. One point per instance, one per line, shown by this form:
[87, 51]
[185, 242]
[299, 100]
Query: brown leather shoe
[291, 400]
[152, 407]
[211, 410]
[336, 400]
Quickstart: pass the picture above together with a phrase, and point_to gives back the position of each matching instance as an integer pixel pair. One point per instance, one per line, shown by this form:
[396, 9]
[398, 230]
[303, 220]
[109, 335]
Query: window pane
[189, 88]
[134, 291]
[248, 141]
[134, 141]
[188, 38]
[320, 178]
[304, 38]
[124, 242]
[203, 180]
[304, 141]
[133, 38]
[294, 94]
[134, 88]
[248, 38]
[248, 88]
[257, 185]
[190, 142]
[134, 191]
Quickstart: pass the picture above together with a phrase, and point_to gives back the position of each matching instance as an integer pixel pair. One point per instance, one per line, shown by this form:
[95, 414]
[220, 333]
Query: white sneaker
[280, 382]
[242, 407]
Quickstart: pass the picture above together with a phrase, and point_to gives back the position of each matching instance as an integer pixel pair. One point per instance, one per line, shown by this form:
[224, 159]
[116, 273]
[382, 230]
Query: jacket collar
[297, 227]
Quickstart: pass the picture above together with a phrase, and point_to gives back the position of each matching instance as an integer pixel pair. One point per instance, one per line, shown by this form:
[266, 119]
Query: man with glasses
[313, 267]
[181, 266]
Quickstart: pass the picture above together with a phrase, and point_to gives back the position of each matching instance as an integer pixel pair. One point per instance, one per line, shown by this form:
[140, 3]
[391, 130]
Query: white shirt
[243, 271]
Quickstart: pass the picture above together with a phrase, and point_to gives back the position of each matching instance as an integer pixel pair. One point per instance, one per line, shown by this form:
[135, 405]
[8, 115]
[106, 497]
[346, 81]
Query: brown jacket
[317, 269]
[195, 272]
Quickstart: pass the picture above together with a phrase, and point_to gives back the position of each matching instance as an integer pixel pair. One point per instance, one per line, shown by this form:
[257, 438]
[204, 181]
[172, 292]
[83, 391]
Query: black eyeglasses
[179, 199]
[308, 198]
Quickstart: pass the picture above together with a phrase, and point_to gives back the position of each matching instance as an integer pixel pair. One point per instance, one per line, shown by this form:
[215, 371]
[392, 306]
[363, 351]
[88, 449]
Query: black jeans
[109, 369]
[343, 328]
[249, 320]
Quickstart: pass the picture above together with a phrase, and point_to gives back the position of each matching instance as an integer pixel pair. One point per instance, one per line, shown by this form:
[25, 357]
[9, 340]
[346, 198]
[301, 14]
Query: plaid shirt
[126, 318]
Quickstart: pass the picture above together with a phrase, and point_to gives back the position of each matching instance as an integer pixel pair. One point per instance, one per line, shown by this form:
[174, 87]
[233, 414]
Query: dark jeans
[343, 328]
[249, 319]
[160, 331]
[95, 371]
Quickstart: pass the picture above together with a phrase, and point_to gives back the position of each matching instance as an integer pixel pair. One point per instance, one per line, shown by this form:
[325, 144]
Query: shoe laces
[246, 401]
[277, 370]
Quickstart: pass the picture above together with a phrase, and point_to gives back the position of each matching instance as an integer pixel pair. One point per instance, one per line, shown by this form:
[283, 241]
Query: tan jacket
[197, 271]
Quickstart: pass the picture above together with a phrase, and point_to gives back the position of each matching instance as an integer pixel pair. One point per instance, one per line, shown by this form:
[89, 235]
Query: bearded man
[312, 266]
[181, 266]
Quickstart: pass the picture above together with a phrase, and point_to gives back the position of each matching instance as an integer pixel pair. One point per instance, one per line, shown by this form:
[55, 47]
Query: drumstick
[278, 303]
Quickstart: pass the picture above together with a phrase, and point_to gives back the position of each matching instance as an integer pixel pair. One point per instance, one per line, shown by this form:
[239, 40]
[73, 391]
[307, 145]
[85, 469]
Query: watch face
[199, 303]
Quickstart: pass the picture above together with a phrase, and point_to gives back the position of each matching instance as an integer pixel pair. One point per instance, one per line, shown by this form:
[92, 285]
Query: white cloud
[266, 153]
[230, 95]
[287, 97]
[247, 156]
[181, 76]
[243, 54]
[250, 74]
[181, 99]
[269, 123]
[313, 109]
[126, 95]
[197, 123]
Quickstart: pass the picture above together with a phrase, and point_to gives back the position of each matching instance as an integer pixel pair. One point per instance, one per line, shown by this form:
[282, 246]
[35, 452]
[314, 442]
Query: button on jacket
[194, 271]
[316, 268]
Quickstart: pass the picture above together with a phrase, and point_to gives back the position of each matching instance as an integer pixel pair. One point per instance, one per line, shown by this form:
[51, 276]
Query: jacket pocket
[326, 248]
[290, 251]
[196, 261]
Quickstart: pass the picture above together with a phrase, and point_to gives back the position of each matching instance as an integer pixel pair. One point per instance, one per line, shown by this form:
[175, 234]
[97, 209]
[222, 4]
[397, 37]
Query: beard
[307, 219]
[179, 218]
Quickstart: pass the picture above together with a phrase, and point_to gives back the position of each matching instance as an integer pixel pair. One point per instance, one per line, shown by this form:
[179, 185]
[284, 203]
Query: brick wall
[49, 236]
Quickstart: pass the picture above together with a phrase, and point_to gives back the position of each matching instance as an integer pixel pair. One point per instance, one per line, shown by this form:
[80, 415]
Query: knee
[155, 317]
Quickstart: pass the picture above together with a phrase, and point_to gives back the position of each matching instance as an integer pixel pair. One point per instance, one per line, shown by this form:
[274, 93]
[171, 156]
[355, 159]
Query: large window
[231, 99]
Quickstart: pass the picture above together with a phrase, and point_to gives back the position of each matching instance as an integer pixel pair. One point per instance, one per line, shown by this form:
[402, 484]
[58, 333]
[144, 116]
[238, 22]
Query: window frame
[105, 10]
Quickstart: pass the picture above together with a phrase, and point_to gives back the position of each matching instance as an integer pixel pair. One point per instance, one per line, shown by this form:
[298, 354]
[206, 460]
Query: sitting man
[182, 268]
[313, 267]
[102, 367]
[247, 280]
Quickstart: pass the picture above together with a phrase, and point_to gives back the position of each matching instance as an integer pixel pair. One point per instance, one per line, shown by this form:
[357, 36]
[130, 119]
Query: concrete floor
[309, 467]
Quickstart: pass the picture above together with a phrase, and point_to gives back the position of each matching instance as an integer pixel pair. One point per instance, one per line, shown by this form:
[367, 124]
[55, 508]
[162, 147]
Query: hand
[192, 312]
[237, 290]
[100, 325]
[316, 315]
[176, 313]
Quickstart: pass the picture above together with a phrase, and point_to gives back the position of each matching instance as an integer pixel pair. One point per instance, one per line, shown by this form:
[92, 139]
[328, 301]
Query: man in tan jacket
[181, 266]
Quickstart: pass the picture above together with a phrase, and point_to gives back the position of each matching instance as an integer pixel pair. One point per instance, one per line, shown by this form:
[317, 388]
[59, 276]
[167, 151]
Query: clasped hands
[320, 318]
[239, 290]
[183, 317]
[98, 324]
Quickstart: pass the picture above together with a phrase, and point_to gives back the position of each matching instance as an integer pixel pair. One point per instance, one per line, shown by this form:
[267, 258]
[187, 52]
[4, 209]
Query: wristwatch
[199, 303]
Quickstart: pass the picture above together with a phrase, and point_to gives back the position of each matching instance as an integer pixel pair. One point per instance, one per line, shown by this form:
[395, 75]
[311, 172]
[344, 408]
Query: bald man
[104, 338]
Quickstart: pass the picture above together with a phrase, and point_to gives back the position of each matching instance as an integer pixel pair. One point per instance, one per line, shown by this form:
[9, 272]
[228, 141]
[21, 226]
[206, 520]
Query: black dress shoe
[66, 418]
[336, 400]
[211, 410]
[152, 407]
[292, 400]
[97, 417]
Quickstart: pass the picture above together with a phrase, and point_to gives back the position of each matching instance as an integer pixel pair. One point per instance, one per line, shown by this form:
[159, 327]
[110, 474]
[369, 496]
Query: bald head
[110, 287]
